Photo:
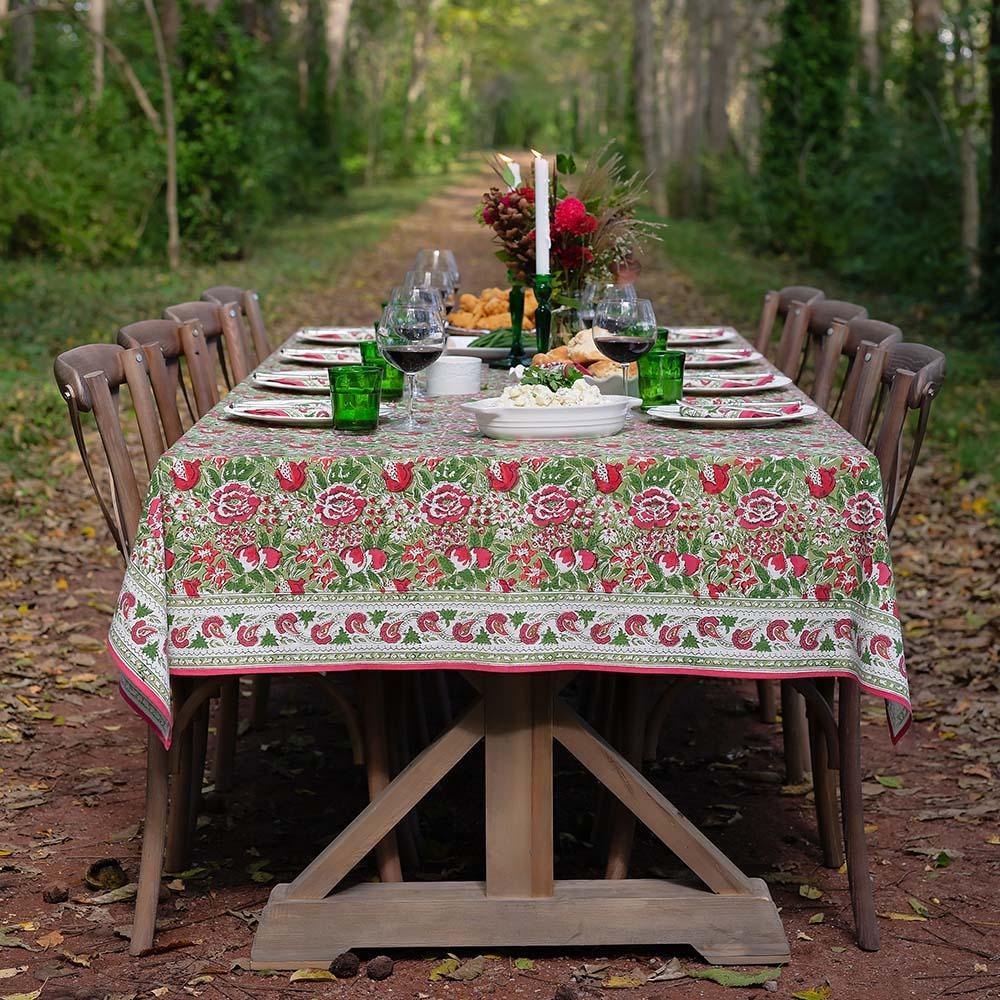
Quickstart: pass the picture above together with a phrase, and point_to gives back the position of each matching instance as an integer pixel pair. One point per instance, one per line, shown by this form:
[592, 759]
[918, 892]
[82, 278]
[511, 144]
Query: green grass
[47, 307]
[965, 422]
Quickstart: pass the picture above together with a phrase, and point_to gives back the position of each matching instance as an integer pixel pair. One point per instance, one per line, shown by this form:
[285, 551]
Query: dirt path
[72, 781]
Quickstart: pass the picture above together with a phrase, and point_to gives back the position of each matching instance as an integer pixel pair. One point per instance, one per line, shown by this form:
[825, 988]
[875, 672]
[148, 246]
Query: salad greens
[554, 377]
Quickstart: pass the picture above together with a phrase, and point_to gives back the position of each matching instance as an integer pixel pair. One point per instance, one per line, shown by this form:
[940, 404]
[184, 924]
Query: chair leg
[606, 725]
[399, 756]
[824, 787]
[226, 724]
[767, 696]
[633, 733]
[180, 801]
[796, 735]
[657, 717]
[258, 704]
[153, 836]
[852, 806]
[377, 764]
[199, 752]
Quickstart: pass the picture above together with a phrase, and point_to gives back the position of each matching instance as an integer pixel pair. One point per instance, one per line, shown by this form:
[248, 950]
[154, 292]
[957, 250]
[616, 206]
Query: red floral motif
[290, 475]
[233, 503]
[714, 478]
[878, 573]
[607, 477]
[677, 563]
[654, 507]
[445, 503]
[551, 505]
[339, 504]
[821, 482]
[191, 587]
[779, 566]
[397, 476]
[503, 476]
[185, 474]
[863, 512]
[760, 508]
[571, 216]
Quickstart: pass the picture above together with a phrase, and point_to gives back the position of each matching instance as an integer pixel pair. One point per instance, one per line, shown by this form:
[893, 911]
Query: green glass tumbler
[355, 392]
[661, 378]
[392, 377]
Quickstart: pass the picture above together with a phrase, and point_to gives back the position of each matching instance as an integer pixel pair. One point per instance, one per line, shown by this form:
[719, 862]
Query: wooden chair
[885, 386]
[248, 303]
[794, 353]
[165, 343]
[90, 379]
[859, 330]
[220, 324]
[777, 305]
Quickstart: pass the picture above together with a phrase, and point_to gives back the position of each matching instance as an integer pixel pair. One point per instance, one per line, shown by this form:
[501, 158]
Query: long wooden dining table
[732, 553]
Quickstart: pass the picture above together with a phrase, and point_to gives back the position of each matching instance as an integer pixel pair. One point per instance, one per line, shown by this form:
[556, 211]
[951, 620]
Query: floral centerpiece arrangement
[594, 228]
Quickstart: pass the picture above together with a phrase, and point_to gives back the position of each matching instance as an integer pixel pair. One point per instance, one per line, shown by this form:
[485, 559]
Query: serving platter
[465, 347]
[543, 423]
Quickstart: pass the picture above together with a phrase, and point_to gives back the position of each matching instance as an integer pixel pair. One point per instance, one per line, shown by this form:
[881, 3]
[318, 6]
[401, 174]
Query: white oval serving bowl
[543, 423]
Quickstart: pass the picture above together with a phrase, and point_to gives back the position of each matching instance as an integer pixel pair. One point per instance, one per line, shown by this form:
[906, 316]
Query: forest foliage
[852, 135]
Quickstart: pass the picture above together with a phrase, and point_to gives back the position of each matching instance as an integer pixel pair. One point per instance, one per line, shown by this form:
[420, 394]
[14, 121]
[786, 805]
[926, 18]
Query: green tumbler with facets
[355, 392]
[661, 378]
[392, 377]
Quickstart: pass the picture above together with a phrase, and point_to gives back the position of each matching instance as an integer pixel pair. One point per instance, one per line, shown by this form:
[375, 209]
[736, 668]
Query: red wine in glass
[623, 349]
[412, 358]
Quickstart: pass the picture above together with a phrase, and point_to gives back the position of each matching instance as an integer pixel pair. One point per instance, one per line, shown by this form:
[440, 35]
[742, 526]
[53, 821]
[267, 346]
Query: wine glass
[431, 298]
[437, 260]
[445, 282]
[624, 330]
[410, 337]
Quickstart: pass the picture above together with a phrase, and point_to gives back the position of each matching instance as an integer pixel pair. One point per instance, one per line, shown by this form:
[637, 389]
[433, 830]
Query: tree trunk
[338, 13]
[645, 98]
[718, 76]
[23, 38]
[423, 39]
[170, 22]
[693, 124]
[964, 75]
[170, 127]
[990, 256]
[926, 69]
[97, 12]
[868, 30]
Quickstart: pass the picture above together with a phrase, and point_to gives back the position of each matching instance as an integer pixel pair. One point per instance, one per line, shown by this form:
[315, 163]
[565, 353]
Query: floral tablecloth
[734, 553]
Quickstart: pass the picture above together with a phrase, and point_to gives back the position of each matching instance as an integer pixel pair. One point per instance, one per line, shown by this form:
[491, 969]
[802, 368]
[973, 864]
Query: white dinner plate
[326, 356]
[293, 380]
[282, 412]
[712, 383]
[463, 331]
[720, 357]
[732, 413]
[696, 336]
[335, 336]
[541, 423]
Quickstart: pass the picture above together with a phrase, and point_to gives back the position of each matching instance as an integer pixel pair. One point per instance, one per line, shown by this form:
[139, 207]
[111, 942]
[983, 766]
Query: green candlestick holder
[543, 314]
[516, 319]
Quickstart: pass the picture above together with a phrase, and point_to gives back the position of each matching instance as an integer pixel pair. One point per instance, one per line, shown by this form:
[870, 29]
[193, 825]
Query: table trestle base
[728, 918]
[725, 930]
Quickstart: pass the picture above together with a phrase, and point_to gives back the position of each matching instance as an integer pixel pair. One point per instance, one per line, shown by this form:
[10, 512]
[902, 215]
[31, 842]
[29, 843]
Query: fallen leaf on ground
[819, 993]
[472, 969]
[311, 976]
[11, 973]
[810, 892]
[10, 941]
[919, 908]
[23, 996]
[668, 972]
[816, 918]
[889, 781]
[115, 896]
[802, 936]
[619, 982]
[442, 969]
[902, 916]
[49, 940]
[731, 977]
[524, 964]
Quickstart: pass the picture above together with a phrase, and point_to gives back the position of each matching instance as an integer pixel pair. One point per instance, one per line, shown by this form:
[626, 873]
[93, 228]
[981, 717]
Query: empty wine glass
[437, 260]
[419, 296]
[624, 330]
[410, 337]
[446, 282]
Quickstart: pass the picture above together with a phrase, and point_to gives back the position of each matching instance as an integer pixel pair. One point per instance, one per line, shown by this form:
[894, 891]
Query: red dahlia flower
[572, 217]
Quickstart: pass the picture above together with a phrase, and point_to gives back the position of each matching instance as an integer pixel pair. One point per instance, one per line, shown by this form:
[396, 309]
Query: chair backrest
[249, 303]
[809, 339]
[777, 305]
[220, 324]
[859, 330]
[165, 342]
[90, 379]
[887, 384]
